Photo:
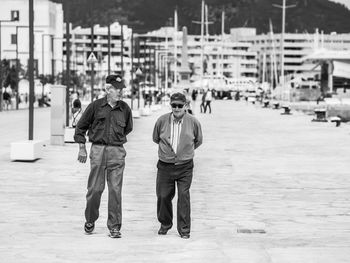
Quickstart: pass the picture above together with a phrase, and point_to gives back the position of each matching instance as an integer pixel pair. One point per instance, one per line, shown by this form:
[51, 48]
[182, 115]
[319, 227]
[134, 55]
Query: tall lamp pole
[67, 16]
[109, 49]
[31, 69]
[122, 50]
[132, 70]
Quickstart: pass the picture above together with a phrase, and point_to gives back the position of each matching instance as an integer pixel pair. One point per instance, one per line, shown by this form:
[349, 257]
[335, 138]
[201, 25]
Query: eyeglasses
[175, 105]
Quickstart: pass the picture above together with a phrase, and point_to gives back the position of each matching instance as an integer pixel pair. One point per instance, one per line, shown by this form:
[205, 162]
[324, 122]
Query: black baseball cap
[178, 97]
[116, 81]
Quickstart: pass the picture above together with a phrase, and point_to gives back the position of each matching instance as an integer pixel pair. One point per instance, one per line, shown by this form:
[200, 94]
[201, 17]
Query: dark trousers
[202, 107]
[107, 162]
[167, 176]
[207, 104]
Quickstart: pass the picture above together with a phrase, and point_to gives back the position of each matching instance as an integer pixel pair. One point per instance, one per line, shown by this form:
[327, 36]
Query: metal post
[284, 7]
[0, 72]
[122, 50]
[31, 69]
[282, 42]
[67, 69]
[17, 69]
[92, 64]
[109, 49]
[166, 61]
[202, 43]
[132, 70]
[42, 54]
[52, 58]
[138, 77]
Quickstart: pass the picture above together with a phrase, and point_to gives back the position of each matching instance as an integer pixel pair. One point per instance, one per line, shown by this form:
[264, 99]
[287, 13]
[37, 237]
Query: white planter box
[27, 150]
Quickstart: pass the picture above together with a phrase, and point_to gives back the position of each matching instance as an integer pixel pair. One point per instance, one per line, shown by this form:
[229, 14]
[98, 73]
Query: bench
[337, 120]
[320, 115]
[286, 110]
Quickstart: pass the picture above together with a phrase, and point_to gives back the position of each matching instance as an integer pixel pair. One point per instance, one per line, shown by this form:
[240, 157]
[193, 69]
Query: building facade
[296, 47]
[48, 33]
[81, 48]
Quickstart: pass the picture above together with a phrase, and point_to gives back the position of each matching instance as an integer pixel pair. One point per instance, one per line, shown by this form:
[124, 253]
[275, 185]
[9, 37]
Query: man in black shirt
[108, 120]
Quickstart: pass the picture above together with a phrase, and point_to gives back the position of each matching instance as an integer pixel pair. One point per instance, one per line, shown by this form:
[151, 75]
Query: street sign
[138, 71]
[92, 58]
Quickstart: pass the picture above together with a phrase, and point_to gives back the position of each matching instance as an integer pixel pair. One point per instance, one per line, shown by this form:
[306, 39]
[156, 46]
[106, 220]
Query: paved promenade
[267, 188]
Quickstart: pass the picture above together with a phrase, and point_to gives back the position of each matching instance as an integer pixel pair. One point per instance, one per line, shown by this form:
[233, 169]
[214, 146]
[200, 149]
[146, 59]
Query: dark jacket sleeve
[198, 136]
[129, 122]
[156, 131]
[84, 124]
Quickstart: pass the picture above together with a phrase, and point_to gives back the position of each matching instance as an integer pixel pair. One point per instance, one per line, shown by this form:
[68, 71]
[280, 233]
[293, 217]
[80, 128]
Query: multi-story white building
[296, 47]
[80, 43]
[48, 33]
[216, 56]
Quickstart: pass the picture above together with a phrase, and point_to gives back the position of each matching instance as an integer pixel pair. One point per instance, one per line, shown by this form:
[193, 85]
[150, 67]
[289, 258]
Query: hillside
[145, 15]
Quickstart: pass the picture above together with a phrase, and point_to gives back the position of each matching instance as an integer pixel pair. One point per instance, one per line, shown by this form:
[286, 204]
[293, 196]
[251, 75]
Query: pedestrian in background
[177, 134]
[208, 99]
[108, 121]
[77, 111]
[202, 106]
[188, 105]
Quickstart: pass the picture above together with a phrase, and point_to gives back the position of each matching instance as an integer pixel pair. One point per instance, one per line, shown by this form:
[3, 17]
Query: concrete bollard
[320, 115]
[28, 150]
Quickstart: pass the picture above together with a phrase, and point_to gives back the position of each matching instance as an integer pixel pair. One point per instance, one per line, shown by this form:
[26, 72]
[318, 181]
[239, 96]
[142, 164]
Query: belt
[182, 163]
[106, 144]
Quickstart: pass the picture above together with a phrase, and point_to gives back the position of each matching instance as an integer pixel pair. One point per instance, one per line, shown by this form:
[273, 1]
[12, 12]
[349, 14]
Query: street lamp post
[31, 69]
[109, 49]
[122, 50]
[132, 70]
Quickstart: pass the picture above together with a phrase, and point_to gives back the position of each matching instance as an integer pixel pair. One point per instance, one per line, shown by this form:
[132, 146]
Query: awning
[341, 69]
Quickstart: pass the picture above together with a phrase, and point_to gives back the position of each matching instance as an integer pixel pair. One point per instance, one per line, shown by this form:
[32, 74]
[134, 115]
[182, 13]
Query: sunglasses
[175, 105]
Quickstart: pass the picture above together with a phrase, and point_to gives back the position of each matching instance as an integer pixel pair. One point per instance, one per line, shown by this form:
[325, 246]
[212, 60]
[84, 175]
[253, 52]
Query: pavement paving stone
[257, 170]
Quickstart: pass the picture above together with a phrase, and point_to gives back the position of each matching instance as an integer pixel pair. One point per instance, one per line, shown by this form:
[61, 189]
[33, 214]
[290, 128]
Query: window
[14, 15]
[13, 39]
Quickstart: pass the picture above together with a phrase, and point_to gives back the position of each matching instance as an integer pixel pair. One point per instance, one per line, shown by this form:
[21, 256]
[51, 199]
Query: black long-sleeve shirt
[105, 125]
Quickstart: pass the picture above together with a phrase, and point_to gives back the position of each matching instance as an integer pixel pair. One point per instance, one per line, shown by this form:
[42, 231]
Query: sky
[345, 2]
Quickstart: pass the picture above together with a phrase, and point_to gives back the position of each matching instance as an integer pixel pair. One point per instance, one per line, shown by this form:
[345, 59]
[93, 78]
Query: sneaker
[89, 227]
[162, 231]
[185, 236]
[115, 233]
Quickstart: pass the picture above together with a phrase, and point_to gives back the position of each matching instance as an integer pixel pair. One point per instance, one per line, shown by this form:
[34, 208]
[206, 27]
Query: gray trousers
[107, 162]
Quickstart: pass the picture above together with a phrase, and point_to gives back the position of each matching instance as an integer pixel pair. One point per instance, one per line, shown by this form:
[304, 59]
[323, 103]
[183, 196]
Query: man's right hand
[82, 156]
